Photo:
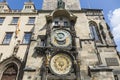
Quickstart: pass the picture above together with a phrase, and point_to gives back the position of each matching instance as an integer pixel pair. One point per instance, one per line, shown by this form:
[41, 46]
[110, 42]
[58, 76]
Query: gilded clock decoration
[61, 64]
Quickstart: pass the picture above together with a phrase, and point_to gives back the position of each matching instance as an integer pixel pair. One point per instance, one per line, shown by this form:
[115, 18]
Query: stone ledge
[99, 68]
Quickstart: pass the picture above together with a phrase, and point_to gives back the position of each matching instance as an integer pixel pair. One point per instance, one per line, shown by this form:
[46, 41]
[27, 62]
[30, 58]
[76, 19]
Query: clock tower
[69, 4]
[59, 51]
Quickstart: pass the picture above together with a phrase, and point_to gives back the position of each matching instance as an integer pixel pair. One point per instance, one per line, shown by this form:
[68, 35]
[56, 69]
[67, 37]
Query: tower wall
[69, 4]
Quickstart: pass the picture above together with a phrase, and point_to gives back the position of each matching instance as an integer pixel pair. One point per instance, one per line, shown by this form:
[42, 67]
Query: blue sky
[106, 5]
[110, 7]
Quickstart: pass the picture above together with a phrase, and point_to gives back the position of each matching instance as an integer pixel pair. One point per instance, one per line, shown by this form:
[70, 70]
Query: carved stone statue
[60, 4]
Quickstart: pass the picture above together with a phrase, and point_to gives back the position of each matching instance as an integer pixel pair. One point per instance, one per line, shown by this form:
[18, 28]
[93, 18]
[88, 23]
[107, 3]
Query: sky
[111, 10]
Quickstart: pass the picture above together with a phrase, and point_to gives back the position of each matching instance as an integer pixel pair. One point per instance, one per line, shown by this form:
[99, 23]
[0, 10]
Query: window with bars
[2, 20]
[15, 20]
[31, 20]
[7, 38]
[27, 37]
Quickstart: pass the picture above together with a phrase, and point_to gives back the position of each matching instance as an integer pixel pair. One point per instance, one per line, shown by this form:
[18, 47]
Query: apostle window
[15, 20]
[7, 38]
[27, 37]
[56, 23]
[65, 23]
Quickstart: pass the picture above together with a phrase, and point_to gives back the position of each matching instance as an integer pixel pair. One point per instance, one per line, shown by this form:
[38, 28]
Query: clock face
[61, 64]
[60, 38]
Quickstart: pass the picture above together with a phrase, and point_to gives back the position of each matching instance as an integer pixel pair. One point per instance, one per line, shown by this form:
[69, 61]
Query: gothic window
[31, 20]
[15, 20]
[10, 73]
[1, 20]
[7, 38]
[27, 37]
[94, 32]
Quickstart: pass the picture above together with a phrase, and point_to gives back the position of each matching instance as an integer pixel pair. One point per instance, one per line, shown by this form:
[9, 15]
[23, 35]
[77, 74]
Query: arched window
[10, 73]
[94, 31]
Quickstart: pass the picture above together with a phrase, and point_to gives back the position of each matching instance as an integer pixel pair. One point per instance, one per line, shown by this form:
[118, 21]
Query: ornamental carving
[61, 64]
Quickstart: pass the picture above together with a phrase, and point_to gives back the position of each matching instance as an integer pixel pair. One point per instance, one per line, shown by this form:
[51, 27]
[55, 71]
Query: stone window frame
[7, 62]
[28, 42]
[31, 20]
[11, 65]
[96, 31]
[8, 42]
[15, 20]
[2, 20]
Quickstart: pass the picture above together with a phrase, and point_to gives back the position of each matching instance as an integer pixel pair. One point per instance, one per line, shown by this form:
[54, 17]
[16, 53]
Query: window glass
[27, 38]
[15, 20]
[31, 20]
[1, 20]
[7, 38]
[94, 33]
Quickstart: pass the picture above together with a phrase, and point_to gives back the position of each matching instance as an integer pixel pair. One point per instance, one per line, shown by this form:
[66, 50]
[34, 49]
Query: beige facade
[64, 45]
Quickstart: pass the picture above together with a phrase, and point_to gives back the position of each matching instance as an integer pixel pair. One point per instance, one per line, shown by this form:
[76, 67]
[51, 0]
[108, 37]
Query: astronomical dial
[61, 38]
[61, 64]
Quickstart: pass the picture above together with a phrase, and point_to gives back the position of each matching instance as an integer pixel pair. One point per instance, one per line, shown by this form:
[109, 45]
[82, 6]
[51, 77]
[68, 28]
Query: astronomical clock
[61, 39]
[61, 64]
[60, 54]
